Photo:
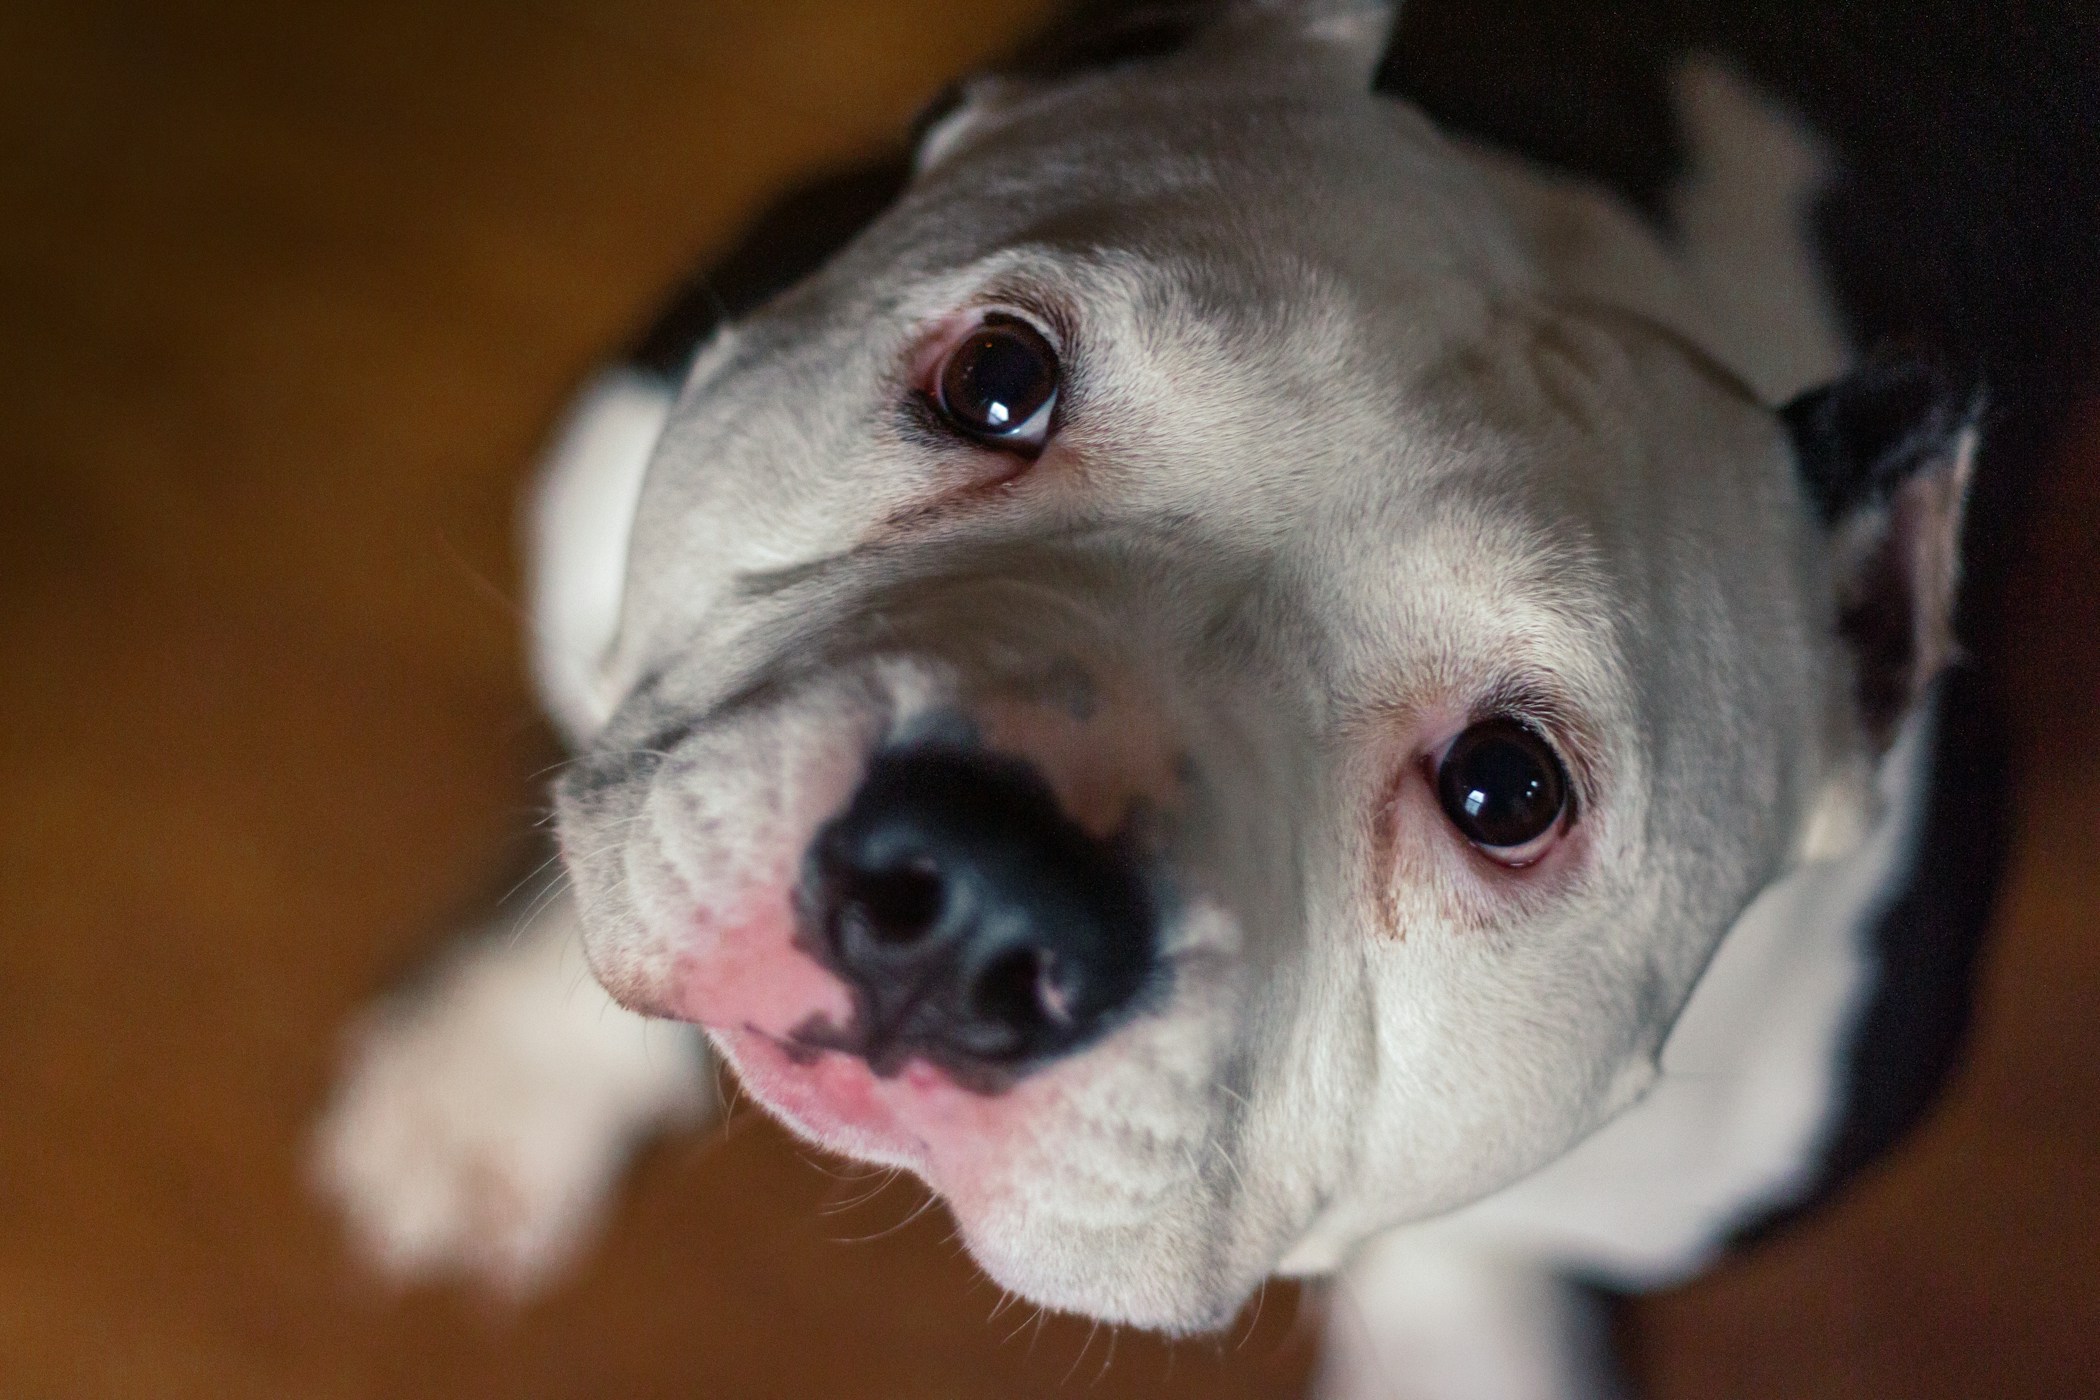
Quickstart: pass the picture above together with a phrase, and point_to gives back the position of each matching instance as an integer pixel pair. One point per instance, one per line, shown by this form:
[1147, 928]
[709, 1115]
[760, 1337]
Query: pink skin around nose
[750, 987]
[742, 977]
[753, 987]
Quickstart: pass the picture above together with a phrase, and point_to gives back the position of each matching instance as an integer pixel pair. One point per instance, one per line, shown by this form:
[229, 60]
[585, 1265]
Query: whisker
[526, 879]
[1023, 1325]
[838, 1208]
[1261, 1299]
[1231, 1165]
[1085, 1347]
[1114, 1333]
[571, 760]
[928, 1204]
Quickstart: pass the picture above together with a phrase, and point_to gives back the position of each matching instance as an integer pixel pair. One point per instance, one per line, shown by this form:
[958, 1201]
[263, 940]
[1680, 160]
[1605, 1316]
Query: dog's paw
[480, 1125]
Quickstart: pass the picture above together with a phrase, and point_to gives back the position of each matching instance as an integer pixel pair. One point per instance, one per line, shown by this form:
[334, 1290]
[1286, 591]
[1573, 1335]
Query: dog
[1329, 648]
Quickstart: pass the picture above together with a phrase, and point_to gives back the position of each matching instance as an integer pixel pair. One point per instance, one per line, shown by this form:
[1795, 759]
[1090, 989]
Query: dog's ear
[1886, 454]
[1094, 35]
[1359, 29]
[960, 111]
[1087, 37]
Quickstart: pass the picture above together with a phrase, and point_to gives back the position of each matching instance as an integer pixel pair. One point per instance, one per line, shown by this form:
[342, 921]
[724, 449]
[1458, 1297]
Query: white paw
[481, 1124]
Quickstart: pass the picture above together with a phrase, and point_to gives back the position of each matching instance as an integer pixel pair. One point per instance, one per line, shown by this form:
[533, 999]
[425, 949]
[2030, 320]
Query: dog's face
[1180, 691]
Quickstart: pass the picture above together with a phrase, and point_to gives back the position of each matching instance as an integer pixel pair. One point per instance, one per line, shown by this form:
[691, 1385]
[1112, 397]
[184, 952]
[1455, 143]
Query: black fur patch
[1110, 35]
[1858, 438]
[788, 241]
[1575, 86]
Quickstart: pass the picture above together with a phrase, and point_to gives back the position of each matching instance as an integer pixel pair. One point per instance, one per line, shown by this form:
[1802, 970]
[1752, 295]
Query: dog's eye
[999, 384]
[1502, 785]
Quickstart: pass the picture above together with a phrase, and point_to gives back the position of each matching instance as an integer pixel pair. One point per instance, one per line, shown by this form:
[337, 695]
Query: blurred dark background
[288, 295]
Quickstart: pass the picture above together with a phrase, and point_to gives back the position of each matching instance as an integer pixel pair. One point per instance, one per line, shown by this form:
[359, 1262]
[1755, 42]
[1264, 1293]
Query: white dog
[1243, 683]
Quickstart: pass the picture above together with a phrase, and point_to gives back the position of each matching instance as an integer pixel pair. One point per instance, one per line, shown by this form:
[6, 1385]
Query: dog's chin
[1036, 1221]
[1159, 1277]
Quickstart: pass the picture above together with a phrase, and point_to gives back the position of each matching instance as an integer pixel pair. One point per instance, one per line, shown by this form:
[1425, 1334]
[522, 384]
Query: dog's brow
[1702, 360]
[769, 584]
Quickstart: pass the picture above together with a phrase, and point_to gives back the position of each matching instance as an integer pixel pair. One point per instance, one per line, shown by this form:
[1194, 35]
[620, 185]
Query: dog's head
[1190, 690]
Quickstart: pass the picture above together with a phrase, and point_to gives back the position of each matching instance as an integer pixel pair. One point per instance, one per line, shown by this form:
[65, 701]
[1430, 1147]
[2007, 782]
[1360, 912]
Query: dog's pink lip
[831, 1097]
[920, 1118]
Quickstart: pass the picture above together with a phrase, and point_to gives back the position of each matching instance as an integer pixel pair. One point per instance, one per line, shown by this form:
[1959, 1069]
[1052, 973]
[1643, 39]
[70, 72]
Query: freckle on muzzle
[979, 927]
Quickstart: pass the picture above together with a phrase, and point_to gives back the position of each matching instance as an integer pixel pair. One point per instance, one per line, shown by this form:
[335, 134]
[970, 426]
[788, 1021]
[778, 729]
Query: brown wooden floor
[287, 294]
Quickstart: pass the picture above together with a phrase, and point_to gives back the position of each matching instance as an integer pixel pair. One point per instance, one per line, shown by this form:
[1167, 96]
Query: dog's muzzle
[977, 925]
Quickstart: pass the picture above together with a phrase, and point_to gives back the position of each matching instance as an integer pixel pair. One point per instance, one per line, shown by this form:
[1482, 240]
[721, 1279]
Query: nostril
[895, 907]
[1022, 992]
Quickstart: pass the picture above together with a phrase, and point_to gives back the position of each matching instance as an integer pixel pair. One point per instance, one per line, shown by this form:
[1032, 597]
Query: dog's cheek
[710, 861]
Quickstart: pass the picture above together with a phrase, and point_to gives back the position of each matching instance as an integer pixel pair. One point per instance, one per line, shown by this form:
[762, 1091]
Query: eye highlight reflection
[999, 384]
[1502, 785]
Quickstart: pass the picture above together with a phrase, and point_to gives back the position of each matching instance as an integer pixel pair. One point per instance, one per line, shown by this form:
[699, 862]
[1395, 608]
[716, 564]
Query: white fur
[1742, 219]
[1749, 1073]
[1467, 1323]
[1425, 566]
[1468, 1305]
[1750, 1079]
[577, 532]
[1460, 424]
[482, 1120]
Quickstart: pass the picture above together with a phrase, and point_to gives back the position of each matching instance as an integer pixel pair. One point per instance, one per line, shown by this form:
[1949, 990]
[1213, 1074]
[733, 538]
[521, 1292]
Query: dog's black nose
[980, 927]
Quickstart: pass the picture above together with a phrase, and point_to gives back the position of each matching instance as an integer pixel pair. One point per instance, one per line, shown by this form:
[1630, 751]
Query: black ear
[1886, 454]
[1101, 34]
